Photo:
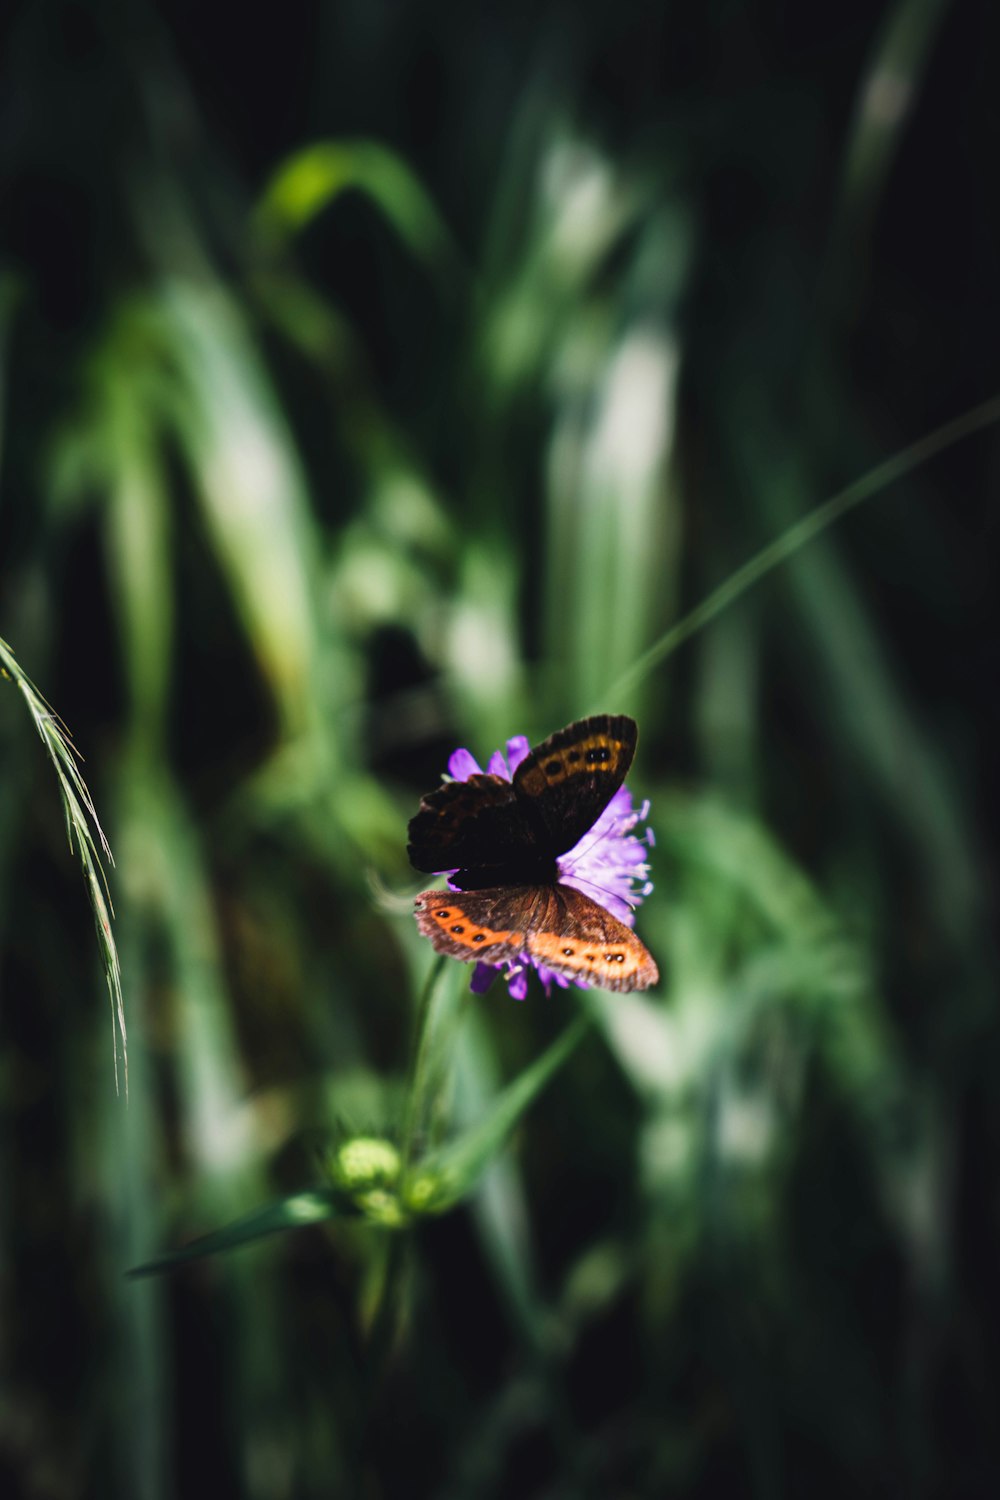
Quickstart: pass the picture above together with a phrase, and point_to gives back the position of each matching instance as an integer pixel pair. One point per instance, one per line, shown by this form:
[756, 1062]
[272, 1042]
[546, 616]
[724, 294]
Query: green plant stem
[800, 535]
[420, 1097]
[388, 1313]
[425, 1065]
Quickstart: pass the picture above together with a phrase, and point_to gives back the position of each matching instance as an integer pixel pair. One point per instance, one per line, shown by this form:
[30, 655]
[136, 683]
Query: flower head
[608, 864]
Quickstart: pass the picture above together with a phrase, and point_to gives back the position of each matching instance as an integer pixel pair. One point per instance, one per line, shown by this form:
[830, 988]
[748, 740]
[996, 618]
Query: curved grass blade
[800, 535]
[310, 179]
[82, 824]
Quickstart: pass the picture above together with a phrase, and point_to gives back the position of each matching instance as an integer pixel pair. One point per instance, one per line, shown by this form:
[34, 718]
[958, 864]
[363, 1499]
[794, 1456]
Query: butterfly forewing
[558, 792]
[565, 783]
[473, 823]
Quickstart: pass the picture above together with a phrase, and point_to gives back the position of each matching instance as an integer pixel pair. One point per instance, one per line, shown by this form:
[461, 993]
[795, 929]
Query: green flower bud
[384, 1208]
[365, 1163]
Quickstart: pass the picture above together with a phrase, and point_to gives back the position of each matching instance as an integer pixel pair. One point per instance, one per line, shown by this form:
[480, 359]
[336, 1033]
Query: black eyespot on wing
[572, 935]
[488, 924]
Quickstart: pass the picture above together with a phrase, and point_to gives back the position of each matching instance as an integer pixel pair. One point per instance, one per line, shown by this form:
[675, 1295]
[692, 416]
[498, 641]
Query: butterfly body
[501, 841]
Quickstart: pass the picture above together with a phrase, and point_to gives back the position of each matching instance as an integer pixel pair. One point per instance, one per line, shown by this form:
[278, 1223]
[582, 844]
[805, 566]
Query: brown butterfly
[503, 838]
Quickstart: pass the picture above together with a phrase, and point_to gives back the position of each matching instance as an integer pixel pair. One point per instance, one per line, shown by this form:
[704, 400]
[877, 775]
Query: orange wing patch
[451, 930]
[621, 964]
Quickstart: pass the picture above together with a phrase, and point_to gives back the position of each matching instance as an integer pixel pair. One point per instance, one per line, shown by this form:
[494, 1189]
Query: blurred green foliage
[377, 380]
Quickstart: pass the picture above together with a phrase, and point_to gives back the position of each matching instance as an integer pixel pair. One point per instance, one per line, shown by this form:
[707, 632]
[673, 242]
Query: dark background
[380, 378]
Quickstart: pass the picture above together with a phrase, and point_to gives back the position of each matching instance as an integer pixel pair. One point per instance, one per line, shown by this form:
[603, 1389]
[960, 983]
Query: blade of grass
[82, 824]
[445, 1176]
[311, 179]
[286, 1213]
[798, 536]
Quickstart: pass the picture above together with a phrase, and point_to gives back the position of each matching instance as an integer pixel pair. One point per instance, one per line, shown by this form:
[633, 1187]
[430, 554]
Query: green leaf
[311, 179]
[286, 1213]
[446, 1176]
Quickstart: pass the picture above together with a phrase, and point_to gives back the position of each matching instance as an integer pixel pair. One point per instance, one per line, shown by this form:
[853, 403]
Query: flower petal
[618, 906]
[483, 976]
[517, 982]
[462, 764]
[609, 862]
[517, 750]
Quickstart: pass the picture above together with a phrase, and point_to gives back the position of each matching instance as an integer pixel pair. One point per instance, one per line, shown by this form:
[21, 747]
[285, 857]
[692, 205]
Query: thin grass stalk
[798, 536]
[82, 823]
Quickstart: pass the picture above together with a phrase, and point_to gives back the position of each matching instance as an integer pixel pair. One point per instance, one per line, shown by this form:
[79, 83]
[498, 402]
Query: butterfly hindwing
[557, 925]
[566, 782]
[576, 937]
[489, 925]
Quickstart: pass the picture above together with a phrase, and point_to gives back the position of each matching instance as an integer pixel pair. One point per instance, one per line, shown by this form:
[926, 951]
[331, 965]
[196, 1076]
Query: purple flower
[608, 864]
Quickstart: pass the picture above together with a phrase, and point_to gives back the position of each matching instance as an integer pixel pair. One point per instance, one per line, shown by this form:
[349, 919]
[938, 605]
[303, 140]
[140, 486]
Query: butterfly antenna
[636, 815]
[593, 843]
[615, 895]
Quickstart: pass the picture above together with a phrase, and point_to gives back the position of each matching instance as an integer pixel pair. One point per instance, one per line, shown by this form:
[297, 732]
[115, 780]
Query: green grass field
[376, 382]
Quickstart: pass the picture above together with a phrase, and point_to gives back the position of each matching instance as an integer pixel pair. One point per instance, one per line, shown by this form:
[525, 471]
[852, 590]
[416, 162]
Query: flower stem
[389, 1312]
[422, 1098]
[429, 1060]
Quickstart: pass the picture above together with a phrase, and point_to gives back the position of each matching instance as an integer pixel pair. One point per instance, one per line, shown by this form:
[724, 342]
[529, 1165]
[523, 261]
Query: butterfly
[503, 839]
